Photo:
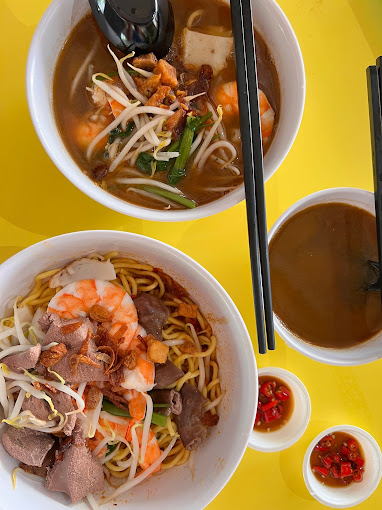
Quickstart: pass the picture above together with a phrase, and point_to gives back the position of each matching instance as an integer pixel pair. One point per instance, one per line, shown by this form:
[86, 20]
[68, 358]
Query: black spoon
[143, 26]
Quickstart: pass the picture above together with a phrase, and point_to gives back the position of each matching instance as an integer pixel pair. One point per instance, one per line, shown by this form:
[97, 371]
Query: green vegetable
[161, 405]
[118, 133]
[133, 72]
[111, 448]
[157, 419]
[179, 169]
[180, 199]
[145, 162]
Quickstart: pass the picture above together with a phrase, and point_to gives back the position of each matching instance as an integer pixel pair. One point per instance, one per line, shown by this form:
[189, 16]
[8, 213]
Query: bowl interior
[214, 462]
[49, 38]
[355, 493]
[365, 352]
[287, 435]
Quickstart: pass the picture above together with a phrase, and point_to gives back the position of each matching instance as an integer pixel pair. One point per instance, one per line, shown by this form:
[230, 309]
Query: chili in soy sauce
[275, 404]
[337, 460]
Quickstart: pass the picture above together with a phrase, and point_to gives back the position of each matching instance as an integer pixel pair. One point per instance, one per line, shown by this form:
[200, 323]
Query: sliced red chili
[259, 405]
[321, 448]
[271, 415]
[357, 475]
[280, 408]
[334, 471]
[267, 388]
[258, 418]
[272, 403]
[327, 441]
[353, 456]
[336, 458]
[344, 451]
[282, 393]
[359, 461]
[346, 469]
[322, 470]
[352, 445]
[327, 460]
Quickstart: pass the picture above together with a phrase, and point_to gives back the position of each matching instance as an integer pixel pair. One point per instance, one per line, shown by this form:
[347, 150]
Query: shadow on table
[369, 16]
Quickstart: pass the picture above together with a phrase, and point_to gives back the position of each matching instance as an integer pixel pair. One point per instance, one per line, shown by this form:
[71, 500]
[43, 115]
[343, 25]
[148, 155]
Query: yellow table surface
[339, 39]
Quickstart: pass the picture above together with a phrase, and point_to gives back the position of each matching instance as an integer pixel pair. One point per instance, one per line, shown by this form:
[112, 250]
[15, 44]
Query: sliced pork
[166, 374]
[190, 427]
[78, 473]
[152, 314]
[170, 397]
[26, 445]
[23, 361]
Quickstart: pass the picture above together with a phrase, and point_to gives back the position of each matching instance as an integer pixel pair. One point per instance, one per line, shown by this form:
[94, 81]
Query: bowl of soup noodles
[159, 138]
[189, 481]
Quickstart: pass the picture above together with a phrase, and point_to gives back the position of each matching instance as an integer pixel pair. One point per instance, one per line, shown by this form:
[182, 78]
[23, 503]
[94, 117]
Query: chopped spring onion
[179, 169]
[179, 199]
[111, 448]
[119, 133]
[157, 419]
[161, 405]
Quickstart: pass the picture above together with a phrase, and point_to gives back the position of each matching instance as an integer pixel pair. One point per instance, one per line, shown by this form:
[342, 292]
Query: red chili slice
[323, 471]
[267, 388]
[353, 456]
[357, 475]
[334, 471]
[258, 418]
[336, 458]
[259, 405]
[321, 448]
[327, 460]
[282, 393]
[345, 451]
[360, 462]
[327, 441]
[271, 415]
[352, 445]
[346, 469]
[266, 407]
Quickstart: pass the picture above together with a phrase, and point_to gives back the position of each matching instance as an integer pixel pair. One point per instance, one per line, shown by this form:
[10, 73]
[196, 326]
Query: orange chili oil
[337, 460]
[275, 404]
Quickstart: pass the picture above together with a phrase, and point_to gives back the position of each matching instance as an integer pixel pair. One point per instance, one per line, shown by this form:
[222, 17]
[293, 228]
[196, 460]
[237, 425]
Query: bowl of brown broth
[319, 251]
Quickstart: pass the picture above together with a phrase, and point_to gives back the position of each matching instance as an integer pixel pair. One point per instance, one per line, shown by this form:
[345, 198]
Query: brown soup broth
[197, 186]
[287, 405]
[319, 271]
[315, 460]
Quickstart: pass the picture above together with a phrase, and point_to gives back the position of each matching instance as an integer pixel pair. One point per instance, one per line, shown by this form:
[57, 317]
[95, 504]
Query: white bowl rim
[330, 430]
[245, 337]
[75, 175]
[321, 355]
[255, 437]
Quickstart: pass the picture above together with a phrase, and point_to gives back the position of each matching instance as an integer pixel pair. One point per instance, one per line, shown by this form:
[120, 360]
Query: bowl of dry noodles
[159, 138]
[127, 376]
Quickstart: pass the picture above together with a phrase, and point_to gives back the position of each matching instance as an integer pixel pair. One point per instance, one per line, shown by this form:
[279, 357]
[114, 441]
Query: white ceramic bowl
[291, 432]
[355, 493]
[365, 352]
[214, 461]
[51, 34]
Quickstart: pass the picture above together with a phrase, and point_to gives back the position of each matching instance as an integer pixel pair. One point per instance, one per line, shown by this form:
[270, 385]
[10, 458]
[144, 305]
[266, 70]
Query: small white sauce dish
[355, 493]
[290, 433]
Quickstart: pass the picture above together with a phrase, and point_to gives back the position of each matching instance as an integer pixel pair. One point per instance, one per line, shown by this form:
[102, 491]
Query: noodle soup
[99, 358]
[190, 154]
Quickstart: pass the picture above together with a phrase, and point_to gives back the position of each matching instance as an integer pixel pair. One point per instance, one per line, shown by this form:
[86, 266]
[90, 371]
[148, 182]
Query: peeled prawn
[76, 299]
[226, 95]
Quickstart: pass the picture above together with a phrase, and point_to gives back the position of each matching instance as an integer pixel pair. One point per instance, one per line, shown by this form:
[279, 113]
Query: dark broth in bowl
[320, 272]
[81, 114]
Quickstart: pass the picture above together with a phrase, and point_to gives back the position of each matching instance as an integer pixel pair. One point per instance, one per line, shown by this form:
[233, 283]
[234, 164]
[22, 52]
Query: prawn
[141, 378]
[226, 95]
[76, 299]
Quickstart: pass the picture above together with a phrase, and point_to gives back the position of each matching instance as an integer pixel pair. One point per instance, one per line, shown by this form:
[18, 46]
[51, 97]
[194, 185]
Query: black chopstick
[374, 85]
[241, 12]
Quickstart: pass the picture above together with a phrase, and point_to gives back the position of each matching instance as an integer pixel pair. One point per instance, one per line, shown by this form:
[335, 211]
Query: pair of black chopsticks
[374, 85]
[246, 72]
